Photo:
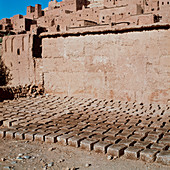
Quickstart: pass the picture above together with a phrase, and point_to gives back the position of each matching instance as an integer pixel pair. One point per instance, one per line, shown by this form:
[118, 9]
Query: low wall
[132, 66]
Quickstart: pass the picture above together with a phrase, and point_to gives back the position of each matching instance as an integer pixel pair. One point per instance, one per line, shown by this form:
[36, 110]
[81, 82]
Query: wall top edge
[127, 29]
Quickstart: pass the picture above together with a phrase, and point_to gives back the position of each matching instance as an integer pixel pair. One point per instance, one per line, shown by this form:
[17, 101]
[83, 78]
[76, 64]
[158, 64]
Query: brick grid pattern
[134, 130]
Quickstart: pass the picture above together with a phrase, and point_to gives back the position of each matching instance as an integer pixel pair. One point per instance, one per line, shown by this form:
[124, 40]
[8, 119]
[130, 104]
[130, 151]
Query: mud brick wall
[18, 58]
[130, 66]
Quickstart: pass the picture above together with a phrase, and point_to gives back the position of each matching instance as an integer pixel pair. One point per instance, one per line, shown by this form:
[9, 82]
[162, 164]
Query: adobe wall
[129, 66]
[18, 58]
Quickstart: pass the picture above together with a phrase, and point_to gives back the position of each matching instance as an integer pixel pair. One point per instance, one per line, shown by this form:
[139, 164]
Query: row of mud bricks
[117, 129]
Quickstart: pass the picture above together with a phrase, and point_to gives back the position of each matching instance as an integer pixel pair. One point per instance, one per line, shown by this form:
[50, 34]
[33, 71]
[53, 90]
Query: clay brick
[30, 135]
[32, 128]
[101, 147]
[112, 133]
[20, 135]
[111, 139]
[40, 136]
[8, 123]
[165, 141]
[155, 134]
[98, 136]
[63, 139]
[148, 155]
[89, 129]
[151, 139]
[39, 129]
[17, 127]
[162, 130]
[142, 132]
[127, 142]
[52, 138]
[123, 135]
[159, 146]
[163, 157]
[75, 141]
[142, 144]
[76, 132]
[85, 134]
[136, 137]
[100, 131]
[17, 122]
[149, 129]
[64, 131]
[88, 144]
[10, 134]
[132, 152]
[116, 150]
[3, 132]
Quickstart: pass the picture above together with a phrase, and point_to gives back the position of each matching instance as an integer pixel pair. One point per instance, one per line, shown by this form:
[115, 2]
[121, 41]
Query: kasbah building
[104, 62]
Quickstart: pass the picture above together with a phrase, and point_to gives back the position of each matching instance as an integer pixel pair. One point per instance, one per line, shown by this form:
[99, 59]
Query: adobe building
[116, 49]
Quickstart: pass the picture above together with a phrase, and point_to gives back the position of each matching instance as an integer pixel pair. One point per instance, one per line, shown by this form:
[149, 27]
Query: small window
[168, 3]
[103, 17]
[5, 45]
[162, 3]
[58, 28]
[12, 41]
[18, 51]
[22, 43]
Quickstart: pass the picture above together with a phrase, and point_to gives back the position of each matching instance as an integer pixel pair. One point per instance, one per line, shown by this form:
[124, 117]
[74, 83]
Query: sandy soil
[57, 157]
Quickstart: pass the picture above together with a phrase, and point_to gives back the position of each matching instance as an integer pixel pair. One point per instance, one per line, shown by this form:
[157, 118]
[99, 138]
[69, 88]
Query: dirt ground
[24, 155]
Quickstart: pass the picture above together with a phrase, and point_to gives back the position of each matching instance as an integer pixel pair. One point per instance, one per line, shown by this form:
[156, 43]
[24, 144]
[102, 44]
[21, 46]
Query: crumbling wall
[129, 66]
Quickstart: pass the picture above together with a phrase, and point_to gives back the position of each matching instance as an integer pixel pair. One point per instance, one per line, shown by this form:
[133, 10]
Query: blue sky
[9, 8]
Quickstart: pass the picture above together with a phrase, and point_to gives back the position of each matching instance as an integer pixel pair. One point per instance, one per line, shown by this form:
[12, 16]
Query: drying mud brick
[52, 138]
[40, 136]
[10, 134]
[75, 141]
[30, 135]
[63, 139]
[148, 155]
[116, 150]
[132, 152]
[88, 144]
[163, 157]
[101, 147]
